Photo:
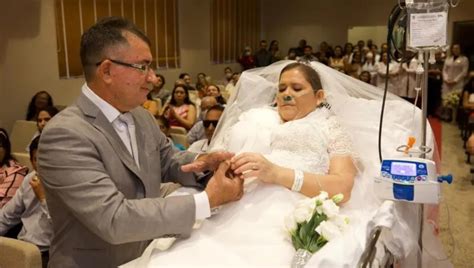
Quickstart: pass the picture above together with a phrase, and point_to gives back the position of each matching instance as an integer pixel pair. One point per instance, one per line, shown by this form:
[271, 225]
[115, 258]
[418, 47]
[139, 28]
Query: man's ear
[103, 71]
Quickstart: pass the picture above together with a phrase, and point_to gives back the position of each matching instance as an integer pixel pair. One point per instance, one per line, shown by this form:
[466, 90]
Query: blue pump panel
[401, 171]
[403, 192]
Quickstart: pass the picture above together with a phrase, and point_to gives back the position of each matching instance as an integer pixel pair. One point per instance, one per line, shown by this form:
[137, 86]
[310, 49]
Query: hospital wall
[28, 58]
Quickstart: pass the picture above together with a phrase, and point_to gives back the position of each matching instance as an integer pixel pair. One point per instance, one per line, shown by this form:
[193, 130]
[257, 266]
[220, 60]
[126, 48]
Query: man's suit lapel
[100, 122]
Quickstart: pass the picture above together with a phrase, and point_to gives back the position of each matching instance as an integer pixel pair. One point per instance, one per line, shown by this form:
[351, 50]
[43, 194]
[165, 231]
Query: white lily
[328, 230]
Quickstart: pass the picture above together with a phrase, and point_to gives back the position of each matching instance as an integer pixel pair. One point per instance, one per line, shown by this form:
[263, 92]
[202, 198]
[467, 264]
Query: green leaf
[303, 234]
[297, 244]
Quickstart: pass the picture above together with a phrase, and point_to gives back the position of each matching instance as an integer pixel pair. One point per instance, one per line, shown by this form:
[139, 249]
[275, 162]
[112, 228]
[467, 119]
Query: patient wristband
[298, 181]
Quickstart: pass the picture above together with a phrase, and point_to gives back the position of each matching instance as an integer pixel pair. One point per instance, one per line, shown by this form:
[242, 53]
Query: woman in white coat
[454, 71]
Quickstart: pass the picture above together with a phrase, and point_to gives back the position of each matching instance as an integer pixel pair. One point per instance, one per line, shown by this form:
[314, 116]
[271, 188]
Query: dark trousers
[45, 258]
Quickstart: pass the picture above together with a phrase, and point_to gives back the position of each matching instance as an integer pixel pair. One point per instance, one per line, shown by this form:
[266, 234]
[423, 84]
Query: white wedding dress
[251, 232]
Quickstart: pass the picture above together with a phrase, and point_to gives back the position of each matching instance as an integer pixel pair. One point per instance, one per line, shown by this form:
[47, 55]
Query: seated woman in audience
[180, 111]
[337, 61]
[39, 101]
[215, 91]
[44, 115]
[28, 207]
[11, 172]
[165, 128]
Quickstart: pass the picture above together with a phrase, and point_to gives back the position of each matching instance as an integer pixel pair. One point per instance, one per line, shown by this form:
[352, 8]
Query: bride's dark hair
[309, 73]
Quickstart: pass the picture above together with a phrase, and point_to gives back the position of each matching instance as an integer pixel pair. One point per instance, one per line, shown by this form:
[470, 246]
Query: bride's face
[296, 98]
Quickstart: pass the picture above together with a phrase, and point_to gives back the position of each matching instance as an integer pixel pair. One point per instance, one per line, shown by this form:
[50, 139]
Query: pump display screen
[403, 169]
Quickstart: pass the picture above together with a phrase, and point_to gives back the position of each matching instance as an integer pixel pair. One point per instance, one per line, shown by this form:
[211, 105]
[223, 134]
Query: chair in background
[21, 135]
[18, 254]
[178, 130]
[180, 139]
[24, 160]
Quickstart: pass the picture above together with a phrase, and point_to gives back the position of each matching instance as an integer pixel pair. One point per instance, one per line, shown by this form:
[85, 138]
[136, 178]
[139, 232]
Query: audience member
[455, 71]
[11, 172]
[165, 128]
[365, 77]
[308, 54]
[408, 70]
[337, 61]
[392, 75]
[370, 65]
[159, 91]
[151, 105]
[197, 131]
[263, 57]
[291, 54]
[180, 111]
[44, 115]
[354, 68]
[324, 53]
[300, 49]
[215, 91]
[209, 124]
[227, 75]
[28, 207]
[246, 59]
[38, 101]
[231, 86]
[274, 51]
[374, 49]
[186, 78]
[347, 53]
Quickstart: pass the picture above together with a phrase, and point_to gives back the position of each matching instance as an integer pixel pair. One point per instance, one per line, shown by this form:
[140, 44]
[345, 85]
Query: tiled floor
[459, 198]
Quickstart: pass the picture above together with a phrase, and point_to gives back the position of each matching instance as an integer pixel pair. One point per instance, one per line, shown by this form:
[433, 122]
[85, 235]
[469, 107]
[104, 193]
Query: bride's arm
[339, 180]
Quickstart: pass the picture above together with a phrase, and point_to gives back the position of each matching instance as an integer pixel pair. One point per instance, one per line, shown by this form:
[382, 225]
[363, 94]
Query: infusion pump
[409, 179]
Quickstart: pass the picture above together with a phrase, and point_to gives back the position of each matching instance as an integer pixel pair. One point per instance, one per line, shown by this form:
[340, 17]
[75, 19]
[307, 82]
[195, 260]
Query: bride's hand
[248, 165]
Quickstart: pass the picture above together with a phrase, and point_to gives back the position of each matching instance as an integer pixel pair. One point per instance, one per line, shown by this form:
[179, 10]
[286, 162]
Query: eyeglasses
[144, 68]
[207, 123]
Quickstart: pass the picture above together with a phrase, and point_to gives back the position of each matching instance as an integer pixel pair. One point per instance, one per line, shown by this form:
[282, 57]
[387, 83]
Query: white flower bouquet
[313, 223]
[452, 98]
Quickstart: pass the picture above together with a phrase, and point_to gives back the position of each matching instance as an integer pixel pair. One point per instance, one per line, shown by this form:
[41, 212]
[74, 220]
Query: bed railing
[367, 258]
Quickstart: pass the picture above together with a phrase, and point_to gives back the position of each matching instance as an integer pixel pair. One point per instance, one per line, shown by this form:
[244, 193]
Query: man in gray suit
[103, 160]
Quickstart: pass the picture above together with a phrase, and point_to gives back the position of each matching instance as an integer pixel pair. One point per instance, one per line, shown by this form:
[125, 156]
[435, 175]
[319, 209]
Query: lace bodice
[307, 143]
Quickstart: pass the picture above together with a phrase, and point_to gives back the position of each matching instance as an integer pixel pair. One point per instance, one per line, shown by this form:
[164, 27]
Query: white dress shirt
[128, 138]
[27, 209]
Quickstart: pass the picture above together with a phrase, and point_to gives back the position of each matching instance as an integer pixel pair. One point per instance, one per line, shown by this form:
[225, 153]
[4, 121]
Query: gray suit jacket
[91, 184]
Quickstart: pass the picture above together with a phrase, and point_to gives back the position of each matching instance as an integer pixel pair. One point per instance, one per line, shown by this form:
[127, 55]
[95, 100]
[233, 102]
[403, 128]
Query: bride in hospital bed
[326, 138]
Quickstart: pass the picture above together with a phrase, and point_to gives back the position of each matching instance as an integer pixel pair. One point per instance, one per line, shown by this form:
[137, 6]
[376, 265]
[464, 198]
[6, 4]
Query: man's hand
[207, 162]
[223, 187]
[38, 189]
